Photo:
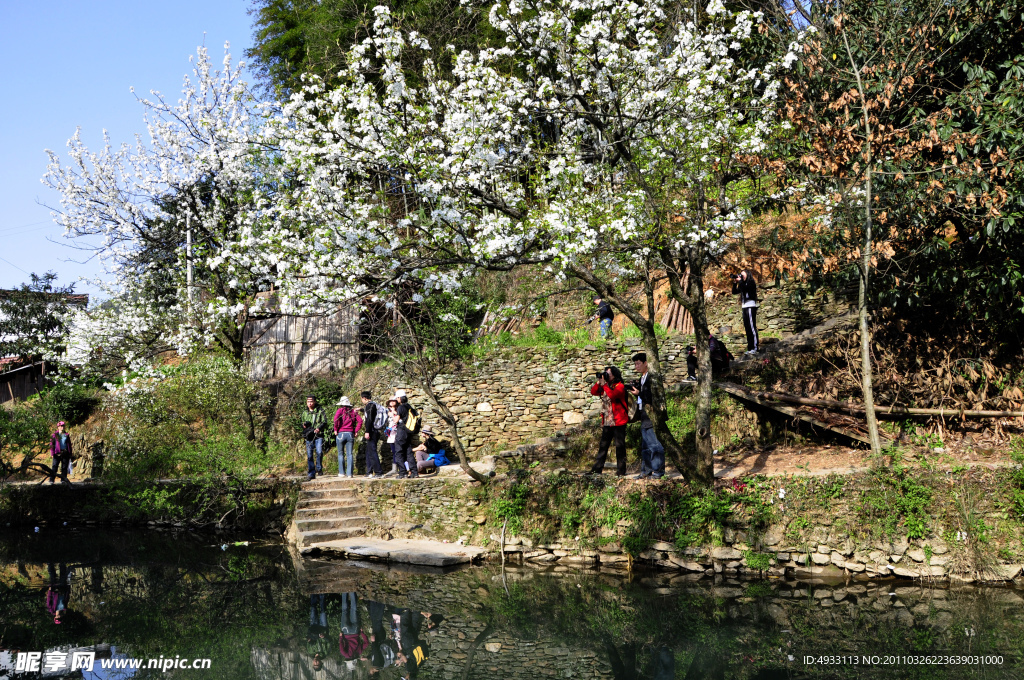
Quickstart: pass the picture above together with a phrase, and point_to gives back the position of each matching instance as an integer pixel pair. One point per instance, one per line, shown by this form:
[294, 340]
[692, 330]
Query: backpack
[632, 412]
[380, 420]
[412, 423]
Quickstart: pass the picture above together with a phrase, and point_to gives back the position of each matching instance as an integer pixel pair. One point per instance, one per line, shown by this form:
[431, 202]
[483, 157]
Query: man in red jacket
[614, 416]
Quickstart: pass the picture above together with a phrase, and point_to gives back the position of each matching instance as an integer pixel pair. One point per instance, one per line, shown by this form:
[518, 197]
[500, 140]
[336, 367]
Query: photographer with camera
[604, 315]
[743, 284]
[614, 417]
[314, 423]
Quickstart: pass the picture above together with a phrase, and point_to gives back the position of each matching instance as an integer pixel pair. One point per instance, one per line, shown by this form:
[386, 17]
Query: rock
[916, 554]
[572, 418]
[725, 553]
[493, 647]
[773, 536]
[1005, 572]
[820, 559]
[484, 406]
[904, 571]
[480, 519]
[684, 564]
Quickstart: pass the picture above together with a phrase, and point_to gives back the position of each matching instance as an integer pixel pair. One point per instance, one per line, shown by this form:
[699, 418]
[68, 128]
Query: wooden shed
[22, 382]
[284, 345]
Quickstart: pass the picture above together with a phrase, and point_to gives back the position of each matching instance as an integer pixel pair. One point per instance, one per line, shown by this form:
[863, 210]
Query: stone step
[307, 525]
[329, 493]
[328, 482]
[331, 510]
[312, 503]
[307, 538]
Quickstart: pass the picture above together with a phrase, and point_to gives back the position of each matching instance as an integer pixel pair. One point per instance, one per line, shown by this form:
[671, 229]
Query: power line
[15, 266]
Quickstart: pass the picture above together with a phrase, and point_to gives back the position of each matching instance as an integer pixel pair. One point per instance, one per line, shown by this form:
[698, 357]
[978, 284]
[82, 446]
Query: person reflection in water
[316, 635]
[58, 594]
[353, 641]
[624, 665]
[380, 651]
[407, 626]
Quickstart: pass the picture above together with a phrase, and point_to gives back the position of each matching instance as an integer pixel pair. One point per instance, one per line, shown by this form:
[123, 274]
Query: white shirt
[639, 401]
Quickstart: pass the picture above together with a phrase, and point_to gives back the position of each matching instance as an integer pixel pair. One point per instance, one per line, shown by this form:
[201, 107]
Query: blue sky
[69, 64]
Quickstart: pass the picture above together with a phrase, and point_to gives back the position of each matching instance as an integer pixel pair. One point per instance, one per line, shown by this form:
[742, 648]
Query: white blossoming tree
[200, 190]
[605, 139]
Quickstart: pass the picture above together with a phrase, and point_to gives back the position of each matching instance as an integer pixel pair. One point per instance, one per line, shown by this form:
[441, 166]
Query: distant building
[284, 345]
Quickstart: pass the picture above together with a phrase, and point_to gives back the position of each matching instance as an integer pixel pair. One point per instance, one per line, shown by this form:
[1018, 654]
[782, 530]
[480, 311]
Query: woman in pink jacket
[347, 422]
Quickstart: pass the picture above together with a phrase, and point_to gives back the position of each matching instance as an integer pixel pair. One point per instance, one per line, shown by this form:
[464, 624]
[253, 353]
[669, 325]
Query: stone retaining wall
[519, 395]
[454, 509]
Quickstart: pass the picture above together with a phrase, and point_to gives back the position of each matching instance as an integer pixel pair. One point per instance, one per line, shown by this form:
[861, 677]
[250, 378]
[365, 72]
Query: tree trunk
[453, 428]
[865, 271]
[705, 462]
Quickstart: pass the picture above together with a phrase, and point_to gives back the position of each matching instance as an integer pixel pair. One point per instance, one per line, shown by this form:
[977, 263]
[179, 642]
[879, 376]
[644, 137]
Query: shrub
[68, 402]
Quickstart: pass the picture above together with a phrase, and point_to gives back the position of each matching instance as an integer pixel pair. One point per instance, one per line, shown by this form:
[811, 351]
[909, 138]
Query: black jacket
[369, 415]
[647, 397]
[746, 289]
[604, 311]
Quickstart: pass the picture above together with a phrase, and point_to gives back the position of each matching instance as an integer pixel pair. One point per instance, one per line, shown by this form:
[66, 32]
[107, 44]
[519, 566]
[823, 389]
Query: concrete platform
[427, 553]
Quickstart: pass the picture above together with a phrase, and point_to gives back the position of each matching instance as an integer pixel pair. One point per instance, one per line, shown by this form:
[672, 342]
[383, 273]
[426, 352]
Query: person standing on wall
[375, 419]
[743, 284]
[652, 453]
[604, 315]
[347, 422]
[314, 422]
[614, 417]
[60, 454]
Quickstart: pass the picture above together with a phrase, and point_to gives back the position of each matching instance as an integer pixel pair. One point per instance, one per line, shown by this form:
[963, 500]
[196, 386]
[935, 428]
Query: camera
[599, 375]
[734, 277]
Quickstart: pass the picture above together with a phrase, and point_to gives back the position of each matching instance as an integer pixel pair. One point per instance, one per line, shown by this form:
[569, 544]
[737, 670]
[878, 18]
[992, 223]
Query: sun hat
[427, 430]
[400, 393]
[344, 402]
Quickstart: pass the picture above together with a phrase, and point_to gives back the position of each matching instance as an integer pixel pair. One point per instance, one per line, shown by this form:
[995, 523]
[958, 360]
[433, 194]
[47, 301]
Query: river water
[105, 599]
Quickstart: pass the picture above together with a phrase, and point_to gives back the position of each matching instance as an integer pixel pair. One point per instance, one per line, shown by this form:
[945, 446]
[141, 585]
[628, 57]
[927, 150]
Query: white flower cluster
[604, 144]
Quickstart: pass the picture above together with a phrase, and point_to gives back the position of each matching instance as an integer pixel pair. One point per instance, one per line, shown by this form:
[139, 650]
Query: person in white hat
[347, 421]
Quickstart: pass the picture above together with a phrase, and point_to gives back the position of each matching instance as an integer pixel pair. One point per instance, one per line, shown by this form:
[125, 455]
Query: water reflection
[256, 612]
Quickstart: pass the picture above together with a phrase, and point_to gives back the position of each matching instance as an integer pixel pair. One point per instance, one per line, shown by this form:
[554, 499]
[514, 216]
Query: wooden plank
[741, 392]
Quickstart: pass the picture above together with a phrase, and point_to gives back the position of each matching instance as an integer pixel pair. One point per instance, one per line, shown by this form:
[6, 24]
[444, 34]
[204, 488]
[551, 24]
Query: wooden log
[881, 410]
[741, 392]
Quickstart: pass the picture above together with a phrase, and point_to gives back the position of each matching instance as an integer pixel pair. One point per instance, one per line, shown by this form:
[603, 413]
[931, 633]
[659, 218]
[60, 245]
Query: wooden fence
[286, 346]
[21, 383]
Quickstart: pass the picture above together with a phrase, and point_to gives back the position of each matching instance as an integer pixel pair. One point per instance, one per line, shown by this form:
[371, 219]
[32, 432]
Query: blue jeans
[652, 454]
[345, 446]
[318, 446]
[349, 614]
[606, 327]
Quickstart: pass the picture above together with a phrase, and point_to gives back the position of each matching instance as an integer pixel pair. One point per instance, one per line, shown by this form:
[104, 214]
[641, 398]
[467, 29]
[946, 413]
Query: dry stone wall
[453, 509]
[522, 394]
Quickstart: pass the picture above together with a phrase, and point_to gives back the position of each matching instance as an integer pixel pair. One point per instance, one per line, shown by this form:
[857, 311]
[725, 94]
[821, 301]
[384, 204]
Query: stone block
[725, 553]
[820, 559]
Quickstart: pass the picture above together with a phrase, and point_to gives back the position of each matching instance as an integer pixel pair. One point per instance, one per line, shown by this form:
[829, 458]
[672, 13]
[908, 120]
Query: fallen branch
[894, 410]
